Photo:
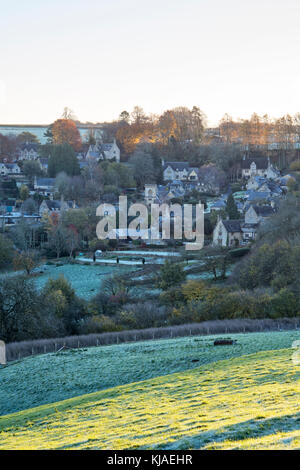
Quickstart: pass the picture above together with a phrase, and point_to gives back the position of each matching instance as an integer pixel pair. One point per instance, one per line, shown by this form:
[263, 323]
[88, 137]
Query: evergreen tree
[231, 208]
[63, 159]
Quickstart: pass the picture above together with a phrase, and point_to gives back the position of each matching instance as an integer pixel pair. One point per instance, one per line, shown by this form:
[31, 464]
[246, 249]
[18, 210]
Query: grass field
[53, 377]
[246, 402]
[85, 280]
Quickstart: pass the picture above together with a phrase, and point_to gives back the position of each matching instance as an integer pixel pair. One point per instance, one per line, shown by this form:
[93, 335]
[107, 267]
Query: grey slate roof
[257, 195]
[232, 225]
[45, 181]
[263, 211]
[29, 146]
[52, 205]
[177, 165]
[261, 163]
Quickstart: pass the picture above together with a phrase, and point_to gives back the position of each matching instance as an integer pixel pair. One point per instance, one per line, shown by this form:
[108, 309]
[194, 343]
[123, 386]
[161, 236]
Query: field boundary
[18, 350]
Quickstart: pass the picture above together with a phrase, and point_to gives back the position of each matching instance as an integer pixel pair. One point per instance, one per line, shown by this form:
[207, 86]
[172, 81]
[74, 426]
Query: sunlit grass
[247, 402]
[38, 380]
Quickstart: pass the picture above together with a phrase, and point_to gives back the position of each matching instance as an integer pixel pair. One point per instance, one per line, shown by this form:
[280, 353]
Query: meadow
[57, 376]
[85, 280]
[248, 402]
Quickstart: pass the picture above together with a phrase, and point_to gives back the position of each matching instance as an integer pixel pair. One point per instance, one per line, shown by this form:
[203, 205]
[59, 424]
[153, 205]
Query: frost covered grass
[53, 377]
[246, 402]
[85, 280]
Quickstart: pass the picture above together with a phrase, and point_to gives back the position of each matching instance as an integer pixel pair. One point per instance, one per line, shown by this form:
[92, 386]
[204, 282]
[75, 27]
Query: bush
[98, 324]
[274, 265]
[172, 297]
[171, 274]
[142, 315]
[62, 302]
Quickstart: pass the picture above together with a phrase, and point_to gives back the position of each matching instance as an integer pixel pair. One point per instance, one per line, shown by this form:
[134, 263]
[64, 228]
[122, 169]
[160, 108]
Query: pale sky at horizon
[100, 57]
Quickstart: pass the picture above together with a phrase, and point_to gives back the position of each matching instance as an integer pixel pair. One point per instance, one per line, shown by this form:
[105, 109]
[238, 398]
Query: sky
[100, 57]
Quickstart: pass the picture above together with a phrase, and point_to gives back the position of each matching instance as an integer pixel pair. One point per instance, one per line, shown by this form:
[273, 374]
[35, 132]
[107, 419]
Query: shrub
[172, 297]
[60, 297]
[142, 315]
[275, 264]
[171, 274]
[98, 324]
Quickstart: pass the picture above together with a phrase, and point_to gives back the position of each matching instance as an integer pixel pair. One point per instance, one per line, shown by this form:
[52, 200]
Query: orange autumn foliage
[65, 131]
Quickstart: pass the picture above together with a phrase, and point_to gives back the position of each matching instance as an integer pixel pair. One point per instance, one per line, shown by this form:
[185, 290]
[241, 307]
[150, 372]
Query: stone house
[228, 233]
[254, 216]
[193, 174]
[261, 166]
[29, 151]
[176, 171]
[9, 169]
[48, 206]
[100, 151]
[111, 151]
[44, 186]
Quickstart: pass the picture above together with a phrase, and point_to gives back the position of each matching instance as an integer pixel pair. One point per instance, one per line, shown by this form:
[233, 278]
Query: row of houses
[10, 215]
[250, 167]
[98, 151]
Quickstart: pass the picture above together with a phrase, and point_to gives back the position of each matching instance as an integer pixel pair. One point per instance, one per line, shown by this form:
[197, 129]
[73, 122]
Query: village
[260, 186]
[150, 229]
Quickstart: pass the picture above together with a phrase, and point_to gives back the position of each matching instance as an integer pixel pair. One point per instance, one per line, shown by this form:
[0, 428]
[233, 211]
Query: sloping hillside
[54, 377]
[251, 401]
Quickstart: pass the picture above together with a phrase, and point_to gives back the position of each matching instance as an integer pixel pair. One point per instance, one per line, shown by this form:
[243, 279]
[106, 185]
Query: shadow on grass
[254, 428]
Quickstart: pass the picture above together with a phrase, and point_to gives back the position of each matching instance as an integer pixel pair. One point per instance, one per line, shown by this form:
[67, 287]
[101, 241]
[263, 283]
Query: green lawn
[50, 378]
[246, 402]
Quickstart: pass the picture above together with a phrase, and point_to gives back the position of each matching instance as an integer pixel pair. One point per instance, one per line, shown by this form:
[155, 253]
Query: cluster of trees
[69, 232]
[177, 134]
[105, 179]
[177, 126]
[261, 130]
[9, 144]
[27, 314]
